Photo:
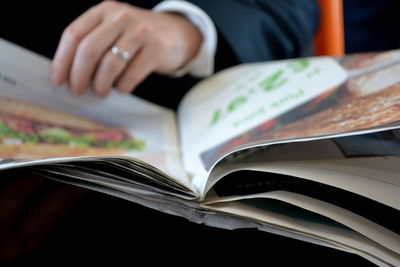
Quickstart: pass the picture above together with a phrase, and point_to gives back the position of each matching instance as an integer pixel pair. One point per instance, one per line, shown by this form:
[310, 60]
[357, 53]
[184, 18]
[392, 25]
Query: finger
[69, 42]
[89, 53]
[140, 67]
[112, 65]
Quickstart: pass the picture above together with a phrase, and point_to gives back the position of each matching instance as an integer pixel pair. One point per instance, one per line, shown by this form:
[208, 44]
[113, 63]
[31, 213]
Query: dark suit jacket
[371, 25]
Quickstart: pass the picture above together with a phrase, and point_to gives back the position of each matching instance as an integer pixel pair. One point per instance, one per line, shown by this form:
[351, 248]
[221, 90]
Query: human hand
[156, 42]
[30, 207]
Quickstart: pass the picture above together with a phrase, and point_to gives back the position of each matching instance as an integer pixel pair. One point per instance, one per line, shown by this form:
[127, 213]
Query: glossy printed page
[38, 121]
[236, 102]
[301, 99]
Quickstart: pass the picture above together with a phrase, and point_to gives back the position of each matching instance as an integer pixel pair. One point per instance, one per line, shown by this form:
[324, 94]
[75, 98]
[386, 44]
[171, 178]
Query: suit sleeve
[257, 30]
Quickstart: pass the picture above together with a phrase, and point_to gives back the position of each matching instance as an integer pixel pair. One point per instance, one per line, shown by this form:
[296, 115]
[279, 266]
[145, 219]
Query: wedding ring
[125, 55]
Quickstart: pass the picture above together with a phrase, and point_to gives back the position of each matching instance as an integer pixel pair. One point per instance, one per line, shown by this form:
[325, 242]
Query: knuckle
[124, 14]
[71, 34]
[89, 51]
[161, 43]
[106, 5]
[143, 29]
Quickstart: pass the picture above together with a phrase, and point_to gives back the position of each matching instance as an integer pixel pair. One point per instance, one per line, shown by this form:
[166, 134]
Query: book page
[241, 98]
[302, 99]
[341, 237]
[321, 212]
[376, 178]
[39, 121]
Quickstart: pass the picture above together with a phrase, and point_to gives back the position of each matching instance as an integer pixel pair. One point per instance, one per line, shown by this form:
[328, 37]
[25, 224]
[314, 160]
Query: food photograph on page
[369, 97]
[32, 131]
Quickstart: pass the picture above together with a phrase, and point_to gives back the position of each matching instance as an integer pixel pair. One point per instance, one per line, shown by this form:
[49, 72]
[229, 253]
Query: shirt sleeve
[202, 64]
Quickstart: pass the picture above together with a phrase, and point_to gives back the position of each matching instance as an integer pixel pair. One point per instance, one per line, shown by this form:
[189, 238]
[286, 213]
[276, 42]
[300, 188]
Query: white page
[375, 232]
[24, 77]
[341, 237]
[377, 178]
[240, 92]
[260, 104]
[246, 82]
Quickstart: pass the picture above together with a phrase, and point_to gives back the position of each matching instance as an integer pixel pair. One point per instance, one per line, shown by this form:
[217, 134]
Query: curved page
[302, 99]
[41, 123]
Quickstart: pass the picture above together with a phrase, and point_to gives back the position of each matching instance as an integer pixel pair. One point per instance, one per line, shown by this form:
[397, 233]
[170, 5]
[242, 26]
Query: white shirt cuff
[203, 63]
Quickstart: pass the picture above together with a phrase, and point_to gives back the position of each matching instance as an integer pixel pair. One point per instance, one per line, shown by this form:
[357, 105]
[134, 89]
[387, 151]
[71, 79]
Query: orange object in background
[329, 40]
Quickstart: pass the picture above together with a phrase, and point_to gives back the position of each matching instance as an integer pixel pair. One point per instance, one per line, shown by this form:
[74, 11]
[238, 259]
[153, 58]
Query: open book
[306, 148]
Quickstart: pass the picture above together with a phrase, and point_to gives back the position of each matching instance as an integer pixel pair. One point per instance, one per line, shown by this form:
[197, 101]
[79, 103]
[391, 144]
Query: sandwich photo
[29, 131]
